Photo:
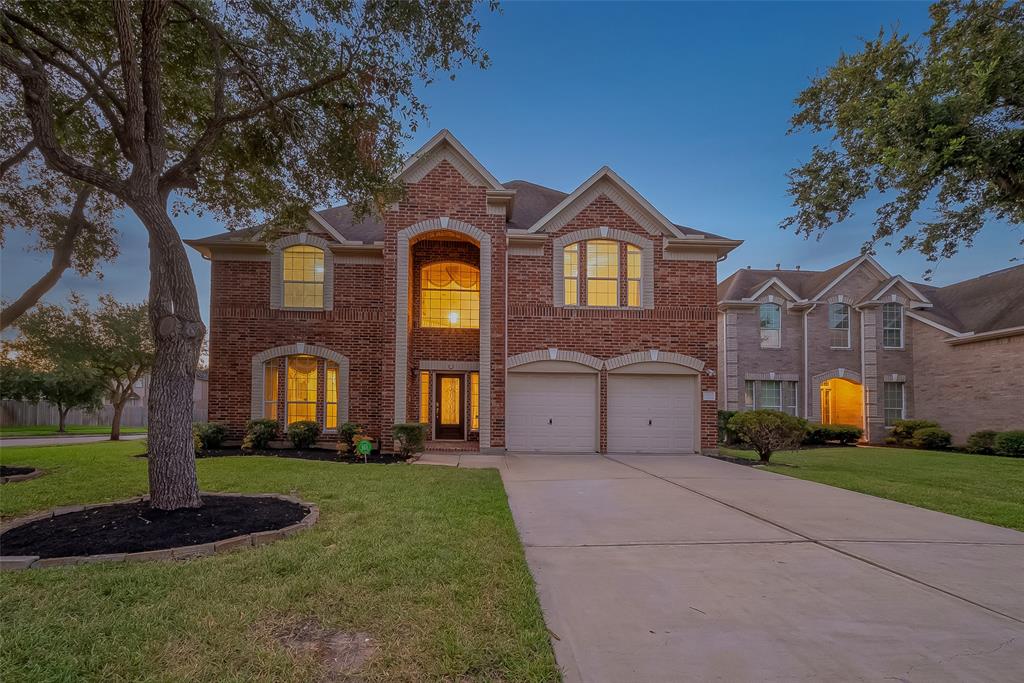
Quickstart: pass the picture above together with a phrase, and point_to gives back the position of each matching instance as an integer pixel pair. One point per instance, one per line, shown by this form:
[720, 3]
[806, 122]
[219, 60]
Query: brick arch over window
[815, 386]
[654, 356]
[277, 268]
[554, 354]
[483, 240]
[603, 233]
[300, 348]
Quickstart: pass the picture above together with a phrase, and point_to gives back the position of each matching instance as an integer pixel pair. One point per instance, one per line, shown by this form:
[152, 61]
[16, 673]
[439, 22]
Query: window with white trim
[303, 277]
[602, 273]
[894, 398]
[634, 278]
[839, 326]
[892, 325]
[770, 323]
[770, 394]
[571, 273]
[331, 396]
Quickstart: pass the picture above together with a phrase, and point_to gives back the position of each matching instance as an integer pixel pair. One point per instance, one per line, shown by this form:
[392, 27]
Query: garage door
[552, 412]
[651, 413]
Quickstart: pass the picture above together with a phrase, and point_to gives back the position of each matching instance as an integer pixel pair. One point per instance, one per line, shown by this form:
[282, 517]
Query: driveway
[686, 568]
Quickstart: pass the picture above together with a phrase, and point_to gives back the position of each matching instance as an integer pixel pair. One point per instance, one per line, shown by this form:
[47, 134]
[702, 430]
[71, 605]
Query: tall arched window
[450, 296]
[303, 277]
[301, 389]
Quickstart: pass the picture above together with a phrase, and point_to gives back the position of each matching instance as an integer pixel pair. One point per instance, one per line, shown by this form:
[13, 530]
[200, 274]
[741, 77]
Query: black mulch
[135, 527]
[11, 470]
[320, 454]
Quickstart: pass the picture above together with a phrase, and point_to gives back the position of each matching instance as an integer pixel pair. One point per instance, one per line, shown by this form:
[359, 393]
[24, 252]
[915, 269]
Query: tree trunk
[62, 416]
[178, 334]
[115, 424]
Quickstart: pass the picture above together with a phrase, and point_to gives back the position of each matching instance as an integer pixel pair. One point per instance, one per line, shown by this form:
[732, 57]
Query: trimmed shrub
[768, 431]
[725, 435]
[210, 434]
[346, 437]
[903, 430]
[410, 438]
[982, 443]
[197, 443]
[304, 433]
[1011, 443]
[931, 438]
[843, 434]
[258, 434]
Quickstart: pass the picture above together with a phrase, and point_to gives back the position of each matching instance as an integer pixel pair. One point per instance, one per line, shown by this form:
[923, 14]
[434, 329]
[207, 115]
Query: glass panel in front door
[451, 400]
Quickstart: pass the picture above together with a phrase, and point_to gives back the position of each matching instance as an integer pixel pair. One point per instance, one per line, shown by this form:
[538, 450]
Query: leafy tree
[768, 431]
[941, 122]
[66, 386]
[237, 108]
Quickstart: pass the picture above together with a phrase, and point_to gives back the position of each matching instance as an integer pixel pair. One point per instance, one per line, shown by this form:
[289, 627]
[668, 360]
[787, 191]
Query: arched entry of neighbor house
[842, 402]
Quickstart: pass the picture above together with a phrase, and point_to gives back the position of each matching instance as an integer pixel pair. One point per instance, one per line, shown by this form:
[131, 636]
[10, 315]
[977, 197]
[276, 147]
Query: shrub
[725, 435]
[303, 434]
[258, 434]
[931, 438]
[410, 438]
[197, 443]
[844, 434]
[768, 430]
[903, 430]
[346, 437]
[982, 443]
[210, 434]
[1011, 443]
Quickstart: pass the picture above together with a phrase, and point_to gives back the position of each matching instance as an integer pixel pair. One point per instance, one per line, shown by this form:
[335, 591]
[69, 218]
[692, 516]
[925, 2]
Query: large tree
[232, 107]
[937, 124]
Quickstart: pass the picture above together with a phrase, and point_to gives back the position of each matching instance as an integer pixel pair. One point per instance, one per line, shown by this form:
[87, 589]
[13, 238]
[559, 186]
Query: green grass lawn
[51, 430]
[986, 488]
[424, 559]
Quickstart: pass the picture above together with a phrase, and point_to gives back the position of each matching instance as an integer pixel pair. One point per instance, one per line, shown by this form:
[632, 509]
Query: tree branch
[134, 123]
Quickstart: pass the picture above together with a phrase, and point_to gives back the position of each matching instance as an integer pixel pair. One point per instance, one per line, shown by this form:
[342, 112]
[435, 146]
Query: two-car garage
[554, 406]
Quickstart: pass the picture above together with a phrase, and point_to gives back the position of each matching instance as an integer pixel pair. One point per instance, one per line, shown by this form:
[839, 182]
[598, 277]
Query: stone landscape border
[18, 562]
[22, 477]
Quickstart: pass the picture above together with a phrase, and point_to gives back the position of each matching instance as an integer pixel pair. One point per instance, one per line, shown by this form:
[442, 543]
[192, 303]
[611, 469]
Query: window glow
[474, 401]
[270, 373]
[303, 277]
[302, 373]
[331, 398]
[450, 296]
[633, 275]
[571, 273]
[425, 397]
[602, 273]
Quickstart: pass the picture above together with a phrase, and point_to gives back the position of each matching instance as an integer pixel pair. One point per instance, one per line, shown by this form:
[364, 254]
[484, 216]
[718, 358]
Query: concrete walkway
[685, 568]
[63, 440]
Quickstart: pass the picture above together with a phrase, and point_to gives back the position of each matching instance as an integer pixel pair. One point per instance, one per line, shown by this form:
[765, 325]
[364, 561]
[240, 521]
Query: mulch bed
[136, 527]
[319, 454]
[11, 471]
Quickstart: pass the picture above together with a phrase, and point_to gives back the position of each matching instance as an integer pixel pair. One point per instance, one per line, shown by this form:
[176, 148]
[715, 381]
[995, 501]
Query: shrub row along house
[857, 345]
[503, 315]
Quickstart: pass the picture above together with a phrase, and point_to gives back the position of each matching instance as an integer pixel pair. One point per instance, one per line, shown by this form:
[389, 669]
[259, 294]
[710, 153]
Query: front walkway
[68, 440]
[662, 568]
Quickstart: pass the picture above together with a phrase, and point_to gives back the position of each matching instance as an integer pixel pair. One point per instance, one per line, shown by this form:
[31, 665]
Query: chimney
[748, 267]
[778, 266]
[798, 267]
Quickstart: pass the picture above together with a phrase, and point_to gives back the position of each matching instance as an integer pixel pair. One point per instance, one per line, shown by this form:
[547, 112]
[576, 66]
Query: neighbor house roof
[982, 304]
[805, 283]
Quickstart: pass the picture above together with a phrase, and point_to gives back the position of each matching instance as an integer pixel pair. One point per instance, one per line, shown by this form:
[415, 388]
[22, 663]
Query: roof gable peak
[446, 147]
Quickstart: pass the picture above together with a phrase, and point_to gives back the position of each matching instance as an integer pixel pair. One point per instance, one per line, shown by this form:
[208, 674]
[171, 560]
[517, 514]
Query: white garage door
[552, 412]
[651, 413]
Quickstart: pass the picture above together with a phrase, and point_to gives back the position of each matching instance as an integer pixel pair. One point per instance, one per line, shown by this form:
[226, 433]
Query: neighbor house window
[474, 401]
[839, 326]
[425, 397]
[602, 273]
[893, 397]
[571, 273]
[301, 390]
[303, 277]
[892, 326]
[450, 296]
[270, 372]
[770, 395]
[771, 326]
[633, 277]
[331, 395]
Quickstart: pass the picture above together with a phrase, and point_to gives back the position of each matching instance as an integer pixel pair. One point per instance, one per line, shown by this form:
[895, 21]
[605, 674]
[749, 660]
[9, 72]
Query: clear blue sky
[688, 102]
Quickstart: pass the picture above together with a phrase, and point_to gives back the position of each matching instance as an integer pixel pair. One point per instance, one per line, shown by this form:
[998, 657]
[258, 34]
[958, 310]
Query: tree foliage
[767, 431]
[934, 125]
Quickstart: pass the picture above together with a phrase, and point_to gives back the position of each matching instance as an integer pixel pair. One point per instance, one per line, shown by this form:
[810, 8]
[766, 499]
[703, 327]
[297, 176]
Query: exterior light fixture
[453, 317]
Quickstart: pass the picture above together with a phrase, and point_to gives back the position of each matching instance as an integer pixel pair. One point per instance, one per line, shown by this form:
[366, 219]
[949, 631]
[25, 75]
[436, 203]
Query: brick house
[857, 345]
[503, 315]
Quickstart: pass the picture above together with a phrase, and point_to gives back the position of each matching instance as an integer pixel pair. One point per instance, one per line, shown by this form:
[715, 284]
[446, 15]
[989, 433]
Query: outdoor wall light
[453, 317]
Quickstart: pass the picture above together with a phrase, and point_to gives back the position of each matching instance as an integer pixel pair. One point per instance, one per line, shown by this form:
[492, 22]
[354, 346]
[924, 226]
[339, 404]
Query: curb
[23, 477]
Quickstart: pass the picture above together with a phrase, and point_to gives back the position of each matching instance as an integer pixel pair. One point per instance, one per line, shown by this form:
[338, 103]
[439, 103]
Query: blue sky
[688, 102]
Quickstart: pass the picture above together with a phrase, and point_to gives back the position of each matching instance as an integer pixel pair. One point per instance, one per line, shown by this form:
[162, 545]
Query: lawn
[986, 488]
[76, 430]
[425, 560]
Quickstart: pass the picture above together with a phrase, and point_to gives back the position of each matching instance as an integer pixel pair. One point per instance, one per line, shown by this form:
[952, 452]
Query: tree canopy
[936, 126]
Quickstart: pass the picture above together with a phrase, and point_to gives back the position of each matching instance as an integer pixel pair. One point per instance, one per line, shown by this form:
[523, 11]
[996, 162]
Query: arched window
[301, 389]
[839, 326]
[602, 281]
[770, 322]
[450, 296]
[892, 325]
[303, 277]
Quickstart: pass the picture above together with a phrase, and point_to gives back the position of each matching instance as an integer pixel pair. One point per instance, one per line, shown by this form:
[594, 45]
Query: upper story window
[892, 325]
[571, 272]
[634, 275]
[601, 285]
[771, 325]
[303, 277]
[839, 326]
[602, 273]
[450, 296]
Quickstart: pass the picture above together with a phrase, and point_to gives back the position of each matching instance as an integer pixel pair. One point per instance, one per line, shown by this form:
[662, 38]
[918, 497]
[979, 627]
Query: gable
[445, 147]
[864, 269]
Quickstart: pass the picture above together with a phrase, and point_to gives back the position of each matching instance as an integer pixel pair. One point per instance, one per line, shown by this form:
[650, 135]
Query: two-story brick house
[503, 315]
[857, 345]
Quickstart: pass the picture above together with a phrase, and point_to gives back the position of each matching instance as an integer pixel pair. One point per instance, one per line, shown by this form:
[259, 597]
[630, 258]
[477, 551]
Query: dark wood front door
[450, 407]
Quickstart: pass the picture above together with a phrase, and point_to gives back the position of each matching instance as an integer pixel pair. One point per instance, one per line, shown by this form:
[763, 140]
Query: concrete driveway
[685, 568]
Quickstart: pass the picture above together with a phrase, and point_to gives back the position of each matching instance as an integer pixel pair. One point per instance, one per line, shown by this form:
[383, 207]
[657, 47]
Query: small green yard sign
[364, 447]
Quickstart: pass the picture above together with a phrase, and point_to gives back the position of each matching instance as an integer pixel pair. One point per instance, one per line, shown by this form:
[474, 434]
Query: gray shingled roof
[805, 283]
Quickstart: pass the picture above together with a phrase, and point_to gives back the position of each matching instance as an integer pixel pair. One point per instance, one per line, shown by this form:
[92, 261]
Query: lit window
[450, 296]
[633, 278]
[474, 400]
[270, 389]
[303, 277]
[571, 273]
[301, 388]
[331, 396]
[425, 397]
[771, 326]
[602, 273]
[892, 326]
[893, 396]
[839, 326]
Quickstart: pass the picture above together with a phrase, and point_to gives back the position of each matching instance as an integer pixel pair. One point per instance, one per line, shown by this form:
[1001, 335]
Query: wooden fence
[23, 414]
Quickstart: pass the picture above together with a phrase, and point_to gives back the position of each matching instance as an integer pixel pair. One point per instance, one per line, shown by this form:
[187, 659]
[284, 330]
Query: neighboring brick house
[857, 345]
[505, 316]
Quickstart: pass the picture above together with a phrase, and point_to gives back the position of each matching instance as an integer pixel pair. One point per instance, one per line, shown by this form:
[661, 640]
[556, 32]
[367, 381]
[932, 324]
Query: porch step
[452, 447]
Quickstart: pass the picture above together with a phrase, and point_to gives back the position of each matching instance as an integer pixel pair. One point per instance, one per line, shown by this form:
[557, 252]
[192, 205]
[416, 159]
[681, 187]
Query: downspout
[864, 387]
[504, 361]
[807, 377]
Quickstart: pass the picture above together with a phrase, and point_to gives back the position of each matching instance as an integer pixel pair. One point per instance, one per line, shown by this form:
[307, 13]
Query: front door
[449, 407]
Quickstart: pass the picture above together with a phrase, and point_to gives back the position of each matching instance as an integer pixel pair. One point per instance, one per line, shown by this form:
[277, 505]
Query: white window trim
[903, 325]
[849, 325]
[277, 270]
[903, 401]
[760, 330]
